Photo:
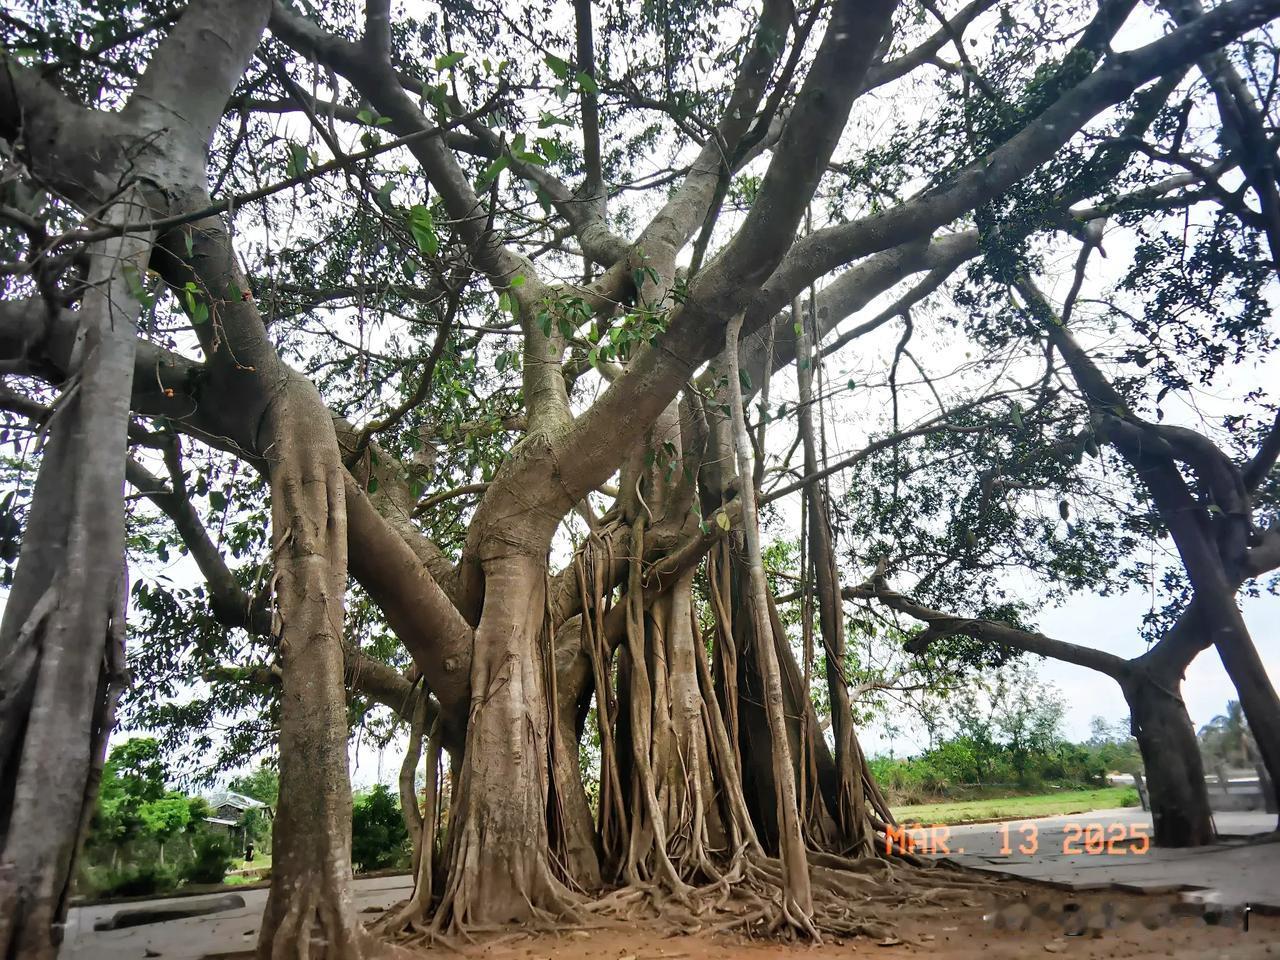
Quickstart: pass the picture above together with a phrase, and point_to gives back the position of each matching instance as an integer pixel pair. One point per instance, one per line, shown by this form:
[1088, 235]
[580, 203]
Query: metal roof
[229, 798]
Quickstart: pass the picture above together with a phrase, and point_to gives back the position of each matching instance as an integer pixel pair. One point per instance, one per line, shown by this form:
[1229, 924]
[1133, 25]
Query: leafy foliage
[378, 833]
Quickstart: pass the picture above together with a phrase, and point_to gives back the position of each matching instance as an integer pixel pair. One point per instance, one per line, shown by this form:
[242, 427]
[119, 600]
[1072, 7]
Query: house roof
[229, 798]
[221, 822]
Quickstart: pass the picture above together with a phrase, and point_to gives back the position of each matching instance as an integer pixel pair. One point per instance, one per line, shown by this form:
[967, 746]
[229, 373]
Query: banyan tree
[444, 344]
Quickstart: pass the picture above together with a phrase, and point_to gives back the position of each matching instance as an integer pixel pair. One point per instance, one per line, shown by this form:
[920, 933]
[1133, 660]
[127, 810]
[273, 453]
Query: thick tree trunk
[1176, 787]
[499, 866]
[1257, 696]
[309, 909]
[60, 641]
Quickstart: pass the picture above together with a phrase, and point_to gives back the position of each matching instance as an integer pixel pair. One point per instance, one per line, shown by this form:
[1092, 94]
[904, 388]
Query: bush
[378, 834]
[143, 880]
[211, 858]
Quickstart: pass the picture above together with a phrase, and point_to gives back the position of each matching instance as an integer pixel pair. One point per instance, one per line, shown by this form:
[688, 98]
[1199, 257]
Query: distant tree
[1114, 745]
[1227, 737]
[1028, 715]
[378, 833]
[138, 767]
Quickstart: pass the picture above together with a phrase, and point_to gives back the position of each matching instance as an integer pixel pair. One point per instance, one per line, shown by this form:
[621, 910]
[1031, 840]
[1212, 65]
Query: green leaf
[490, 173]
[549, 149]
[587, 83]
[853, 384]
[517, 280]
[449, 60]
[744, 379]
[1016, 413]
[722, 520]
[423, 228]
[551, 120]
[373, 485]
[559, 67]
[504, 302]
[217, 500]
[296, 163]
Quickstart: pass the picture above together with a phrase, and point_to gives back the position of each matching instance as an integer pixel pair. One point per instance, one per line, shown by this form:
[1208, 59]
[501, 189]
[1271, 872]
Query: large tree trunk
[61, 655]
[1257, 696]
[293, 433]
[499, 864]
[1179, 798]
[309, 908]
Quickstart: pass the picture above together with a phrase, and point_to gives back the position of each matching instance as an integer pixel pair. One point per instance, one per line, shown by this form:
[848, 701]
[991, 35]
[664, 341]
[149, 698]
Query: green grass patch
[1040, 805]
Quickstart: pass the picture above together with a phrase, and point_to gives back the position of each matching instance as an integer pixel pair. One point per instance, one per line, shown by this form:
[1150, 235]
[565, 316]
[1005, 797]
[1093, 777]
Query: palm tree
[1227, 736]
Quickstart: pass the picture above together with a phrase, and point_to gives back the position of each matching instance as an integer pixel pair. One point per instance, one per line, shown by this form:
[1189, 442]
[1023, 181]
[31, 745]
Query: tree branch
[940, 625]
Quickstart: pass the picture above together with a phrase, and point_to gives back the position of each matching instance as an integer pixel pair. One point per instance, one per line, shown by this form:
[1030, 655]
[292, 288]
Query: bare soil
[1018, 922]
[965, 934]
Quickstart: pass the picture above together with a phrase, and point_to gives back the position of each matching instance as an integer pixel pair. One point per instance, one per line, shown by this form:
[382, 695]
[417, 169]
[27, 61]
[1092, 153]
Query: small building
[229, 813]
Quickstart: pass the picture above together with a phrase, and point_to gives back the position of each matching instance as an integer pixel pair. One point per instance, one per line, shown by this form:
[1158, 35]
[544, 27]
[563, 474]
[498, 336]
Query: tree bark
[849, 811]
[309, 905]
[59, 641]
[408, 780]
[499, 865]
[1179, 800]
[797, 895]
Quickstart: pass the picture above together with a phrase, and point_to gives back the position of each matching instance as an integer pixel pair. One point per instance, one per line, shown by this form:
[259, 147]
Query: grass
[259, 862]
[1041, 805]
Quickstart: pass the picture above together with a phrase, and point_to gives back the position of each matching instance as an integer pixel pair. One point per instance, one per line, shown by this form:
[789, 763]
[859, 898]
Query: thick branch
[940, 624]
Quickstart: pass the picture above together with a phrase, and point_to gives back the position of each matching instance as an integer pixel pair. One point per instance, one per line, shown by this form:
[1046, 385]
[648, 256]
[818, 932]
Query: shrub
[211, 858]
[142, 880]
[378, 833]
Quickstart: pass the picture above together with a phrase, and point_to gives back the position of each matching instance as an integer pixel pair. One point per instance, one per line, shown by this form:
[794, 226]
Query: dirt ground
[1023, 922]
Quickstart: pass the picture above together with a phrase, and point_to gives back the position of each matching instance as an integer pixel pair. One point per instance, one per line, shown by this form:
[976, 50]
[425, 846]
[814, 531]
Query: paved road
[1110, 848]
[196, 937]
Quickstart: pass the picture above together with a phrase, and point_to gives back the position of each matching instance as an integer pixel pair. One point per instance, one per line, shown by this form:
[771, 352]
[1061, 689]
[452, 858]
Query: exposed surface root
[851, 898]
